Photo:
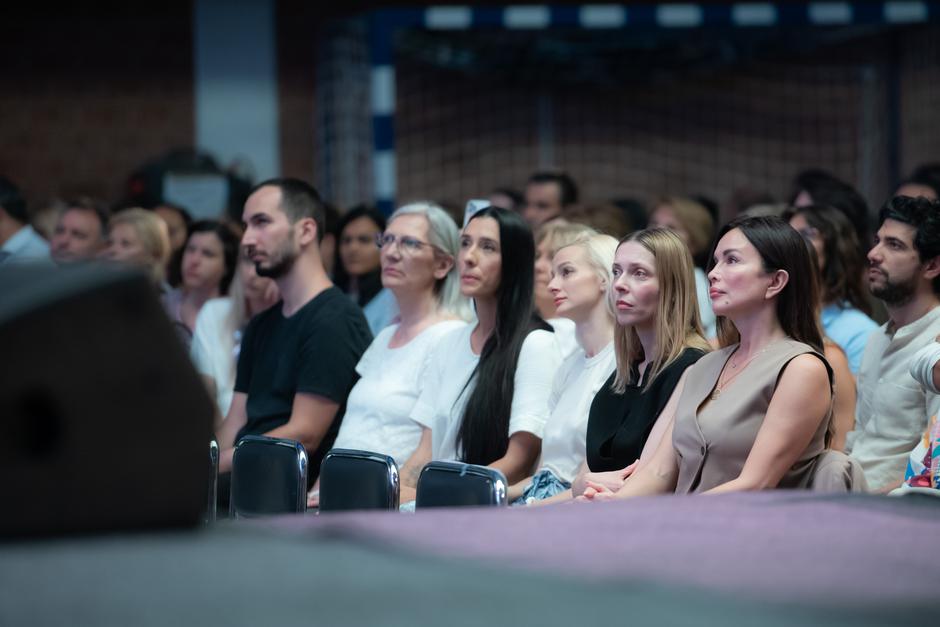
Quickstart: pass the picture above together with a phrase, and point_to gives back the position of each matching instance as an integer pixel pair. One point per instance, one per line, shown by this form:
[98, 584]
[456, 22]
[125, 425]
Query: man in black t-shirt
[298, 359]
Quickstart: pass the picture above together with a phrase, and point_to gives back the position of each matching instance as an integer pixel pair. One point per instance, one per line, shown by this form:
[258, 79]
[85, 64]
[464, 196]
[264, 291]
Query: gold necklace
[719, 385]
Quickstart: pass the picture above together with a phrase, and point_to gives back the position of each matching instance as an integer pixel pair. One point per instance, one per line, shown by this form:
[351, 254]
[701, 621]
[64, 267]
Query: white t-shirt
[378, 410]
[577, 382]
[214, 350]
[565, 336]
[441, 405]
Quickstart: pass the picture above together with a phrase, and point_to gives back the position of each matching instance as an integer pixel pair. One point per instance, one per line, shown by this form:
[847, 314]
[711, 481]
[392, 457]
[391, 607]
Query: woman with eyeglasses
[417, 253]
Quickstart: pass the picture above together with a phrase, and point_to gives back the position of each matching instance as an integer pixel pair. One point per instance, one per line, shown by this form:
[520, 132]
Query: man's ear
[307, 231]
[778, 281]
[932, 268]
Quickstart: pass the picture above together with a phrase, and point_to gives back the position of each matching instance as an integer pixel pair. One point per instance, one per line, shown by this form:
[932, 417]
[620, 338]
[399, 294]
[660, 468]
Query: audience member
[210, 256]
[923, 463]
[419, 249]
[634, 212]
[845, 307]
[506, 198]
[331, 219]
[44, 217]
[219, 326]
[581, 280]
[357, 270]
[138, 237]
[485, 400]
[606, 218]
[694, 225]
[549, 238]
[892, 408]
[657, 337]
[818, 187]
[19, 242]
[924, 181]
[81, 232]
[178, 222]
[755, 414]
[547, 194]
[298, 358]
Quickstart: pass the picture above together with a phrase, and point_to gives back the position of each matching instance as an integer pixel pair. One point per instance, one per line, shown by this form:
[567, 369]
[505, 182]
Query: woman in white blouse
[418, 251]
[485, 400]
[580, 278]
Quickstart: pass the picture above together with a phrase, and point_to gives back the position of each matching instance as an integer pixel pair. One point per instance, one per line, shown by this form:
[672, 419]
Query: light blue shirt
[849, 328]
[26, 245]
[381, 311]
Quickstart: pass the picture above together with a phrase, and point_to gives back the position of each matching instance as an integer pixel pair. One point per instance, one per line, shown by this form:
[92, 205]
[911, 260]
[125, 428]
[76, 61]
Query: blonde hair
[560, 233]
[678, 324]
[696, 220]
[599, 250]
[153, 234]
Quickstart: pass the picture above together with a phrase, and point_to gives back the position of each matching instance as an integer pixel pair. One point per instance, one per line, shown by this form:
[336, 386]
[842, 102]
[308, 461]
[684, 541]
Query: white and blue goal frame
[384, 23]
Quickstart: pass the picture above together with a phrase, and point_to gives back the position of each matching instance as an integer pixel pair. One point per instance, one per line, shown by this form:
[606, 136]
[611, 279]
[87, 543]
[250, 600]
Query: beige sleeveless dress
[713, 439]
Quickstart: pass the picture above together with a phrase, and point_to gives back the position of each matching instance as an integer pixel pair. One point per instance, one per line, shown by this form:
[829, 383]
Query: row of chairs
[269, 476]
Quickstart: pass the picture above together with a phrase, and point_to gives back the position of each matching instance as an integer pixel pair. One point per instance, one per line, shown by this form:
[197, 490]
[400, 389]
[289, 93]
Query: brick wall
[91, 94]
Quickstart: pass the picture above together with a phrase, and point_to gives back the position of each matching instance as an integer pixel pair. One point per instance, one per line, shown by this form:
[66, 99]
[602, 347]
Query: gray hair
[444, 235]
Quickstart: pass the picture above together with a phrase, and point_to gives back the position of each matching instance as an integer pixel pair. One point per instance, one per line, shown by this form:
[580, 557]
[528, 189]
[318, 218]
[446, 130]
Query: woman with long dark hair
[486, 400]
[846, 309]
[357, 267]
[755, 414]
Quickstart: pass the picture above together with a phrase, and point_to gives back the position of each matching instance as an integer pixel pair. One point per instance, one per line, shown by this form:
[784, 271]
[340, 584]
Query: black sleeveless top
[619, 424]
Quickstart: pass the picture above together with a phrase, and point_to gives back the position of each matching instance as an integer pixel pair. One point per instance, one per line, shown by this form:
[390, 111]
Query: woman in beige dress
[755, 414]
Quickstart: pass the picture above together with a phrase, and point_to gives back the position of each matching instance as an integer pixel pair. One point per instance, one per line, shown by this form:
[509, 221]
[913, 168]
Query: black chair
[352, 480]
[455, 484]
[211, 505]
[269, 476]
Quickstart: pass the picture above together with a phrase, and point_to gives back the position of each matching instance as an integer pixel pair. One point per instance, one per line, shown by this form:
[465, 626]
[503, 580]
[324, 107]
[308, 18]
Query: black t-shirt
[315, 351]
[619, 424]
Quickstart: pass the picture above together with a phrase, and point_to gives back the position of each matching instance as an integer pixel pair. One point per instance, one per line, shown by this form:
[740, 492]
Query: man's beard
[281, 263]
[894, 293]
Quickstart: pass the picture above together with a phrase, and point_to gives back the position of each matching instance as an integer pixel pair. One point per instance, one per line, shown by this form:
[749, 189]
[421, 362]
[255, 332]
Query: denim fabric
[544, 484]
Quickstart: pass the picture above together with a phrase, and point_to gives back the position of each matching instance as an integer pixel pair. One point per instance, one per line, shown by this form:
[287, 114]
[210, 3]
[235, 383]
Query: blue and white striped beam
[385, 23]
[672, 15]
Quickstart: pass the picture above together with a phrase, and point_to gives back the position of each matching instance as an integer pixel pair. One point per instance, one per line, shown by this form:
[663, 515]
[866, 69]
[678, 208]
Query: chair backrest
[211, 504]
[351, 479]
[454, 484]
[269, 476]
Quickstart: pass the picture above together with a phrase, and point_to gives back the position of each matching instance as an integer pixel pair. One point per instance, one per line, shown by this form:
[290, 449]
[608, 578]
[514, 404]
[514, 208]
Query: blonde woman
[581, 279]
[548, 239]
[219, 325]
[657, 337]
[139, 238]
[695, 226]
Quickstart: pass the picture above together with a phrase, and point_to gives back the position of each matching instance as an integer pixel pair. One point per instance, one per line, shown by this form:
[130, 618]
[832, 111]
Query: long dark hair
[368, 284]
[780, 248]
[842, 272]
[230, 241]
[484, 429]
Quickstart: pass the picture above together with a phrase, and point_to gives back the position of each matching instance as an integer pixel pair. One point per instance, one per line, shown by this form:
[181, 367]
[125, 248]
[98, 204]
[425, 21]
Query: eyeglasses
[406, 245]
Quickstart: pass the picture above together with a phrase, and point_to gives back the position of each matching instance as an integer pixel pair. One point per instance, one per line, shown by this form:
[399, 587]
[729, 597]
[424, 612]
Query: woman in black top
[658, 336]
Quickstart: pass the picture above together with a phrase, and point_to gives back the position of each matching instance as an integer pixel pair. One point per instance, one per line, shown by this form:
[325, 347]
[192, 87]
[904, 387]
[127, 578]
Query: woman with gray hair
[418, 250]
